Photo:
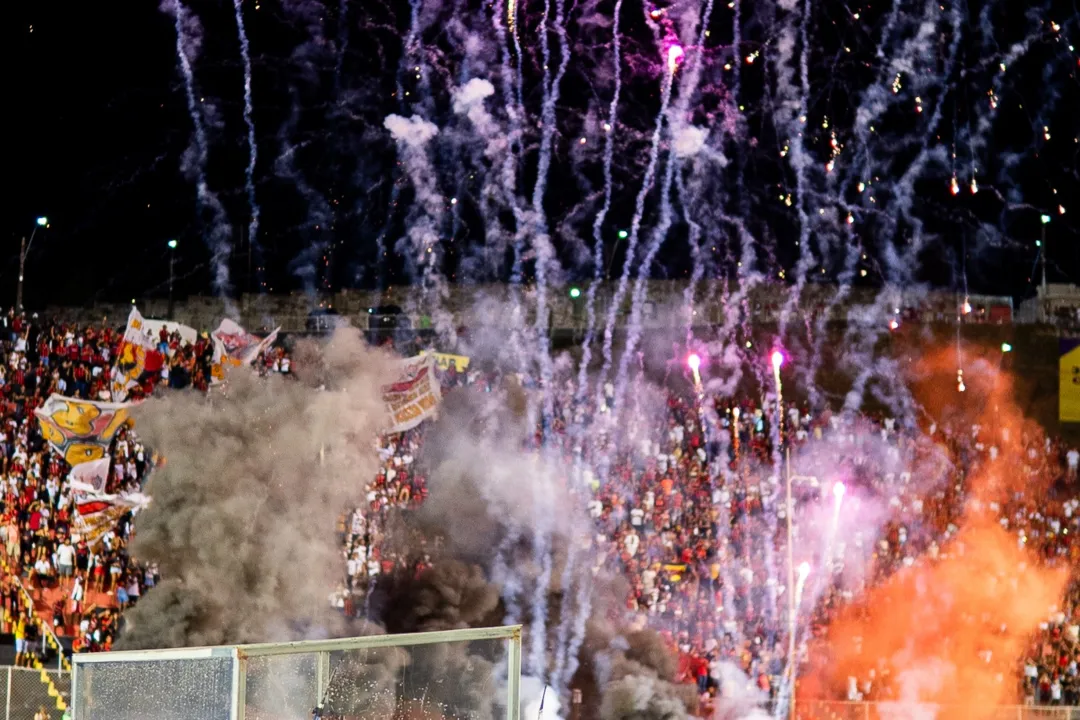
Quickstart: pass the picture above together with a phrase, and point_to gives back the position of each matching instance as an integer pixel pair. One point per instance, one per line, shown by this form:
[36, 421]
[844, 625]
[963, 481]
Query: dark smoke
[481, 503]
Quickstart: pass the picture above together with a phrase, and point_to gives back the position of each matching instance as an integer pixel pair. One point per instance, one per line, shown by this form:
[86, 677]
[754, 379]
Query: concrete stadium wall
[476, 305]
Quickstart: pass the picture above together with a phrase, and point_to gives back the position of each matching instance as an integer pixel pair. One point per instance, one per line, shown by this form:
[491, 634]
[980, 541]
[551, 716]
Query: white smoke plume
[413, 131]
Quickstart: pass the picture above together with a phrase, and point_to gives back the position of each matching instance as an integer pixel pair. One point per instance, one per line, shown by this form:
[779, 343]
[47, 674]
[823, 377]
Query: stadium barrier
[451, 673]
[825, 710]
[25, 693]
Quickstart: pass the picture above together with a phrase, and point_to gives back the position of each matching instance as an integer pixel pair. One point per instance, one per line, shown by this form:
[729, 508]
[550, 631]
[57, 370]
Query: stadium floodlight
[777, 360]
[623, 234]
[42, 221]
[172, 244]
[1045, 219]
[575, 293]
[1006, 347]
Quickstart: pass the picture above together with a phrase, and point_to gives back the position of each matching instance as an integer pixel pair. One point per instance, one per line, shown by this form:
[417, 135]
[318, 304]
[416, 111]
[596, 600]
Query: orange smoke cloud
[952, 630]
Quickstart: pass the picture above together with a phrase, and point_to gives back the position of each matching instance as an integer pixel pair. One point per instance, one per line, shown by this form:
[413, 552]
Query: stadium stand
[653, 513]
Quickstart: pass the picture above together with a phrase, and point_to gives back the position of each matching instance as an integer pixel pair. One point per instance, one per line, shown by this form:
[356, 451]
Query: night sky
[100, 142]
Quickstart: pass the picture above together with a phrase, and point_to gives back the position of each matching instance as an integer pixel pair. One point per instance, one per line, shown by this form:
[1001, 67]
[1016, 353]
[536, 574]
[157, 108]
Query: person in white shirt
[1072, 458]
[65, 561]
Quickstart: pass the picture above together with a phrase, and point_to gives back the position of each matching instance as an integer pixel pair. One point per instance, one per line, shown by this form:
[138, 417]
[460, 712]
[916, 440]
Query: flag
[240, 346]
[1069, 381]
[80, 430]
[137, 355]
[97, 514]
[90, 476]
[415, 396]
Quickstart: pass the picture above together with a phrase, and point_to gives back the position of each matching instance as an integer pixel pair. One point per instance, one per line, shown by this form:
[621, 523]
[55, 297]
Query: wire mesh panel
[468, 674]
[173, 689]
[27, 695]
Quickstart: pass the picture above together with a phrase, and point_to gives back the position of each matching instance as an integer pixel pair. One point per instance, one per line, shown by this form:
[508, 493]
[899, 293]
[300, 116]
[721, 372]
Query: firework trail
[219, 236]
[673, 54]
[901, 267]
[687, 141]
[601, 216]
[343, 43]
[253, 149]
[511, 95]
[800, 159]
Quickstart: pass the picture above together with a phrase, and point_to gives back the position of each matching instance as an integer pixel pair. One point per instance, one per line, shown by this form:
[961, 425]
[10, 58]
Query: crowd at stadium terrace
[658, 516]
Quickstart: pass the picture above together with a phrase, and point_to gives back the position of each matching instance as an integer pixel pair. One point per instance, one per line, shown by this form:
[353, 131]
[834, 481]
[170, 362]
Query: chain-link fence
[819, 710]
[25, 693]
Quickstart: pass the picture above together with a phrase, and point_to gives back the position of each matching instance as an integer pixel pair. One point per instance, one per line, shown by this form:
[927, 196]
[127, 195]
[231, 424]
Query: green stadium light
[42, 221]
[575, 293]
[1045, 219]
[1006, 347]
[1038, 243]
[623, 234]
[172, 244]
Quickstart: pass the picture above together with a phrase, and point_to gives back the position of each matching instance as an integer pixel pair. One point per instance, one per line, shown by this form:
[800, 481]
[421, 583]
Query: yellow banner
[444, 360]
[1069, 383]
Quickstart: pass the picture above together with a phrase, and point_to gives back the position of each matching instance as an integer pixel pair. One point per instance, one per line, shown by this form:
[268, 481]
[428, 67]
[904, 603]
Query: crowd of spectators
[686, 511]
[703, 549]
[55, 585]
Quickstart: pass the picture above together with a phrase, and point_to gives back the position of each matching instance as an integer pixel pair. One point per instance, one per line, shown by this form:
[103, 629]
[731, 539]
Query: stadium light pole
[23, 250]
[172, 265]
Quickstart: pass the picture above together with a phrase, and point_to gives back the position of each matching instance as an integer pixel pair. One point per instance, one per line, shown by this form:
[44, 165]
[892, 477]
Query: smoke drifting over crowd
[238, 521]
[238, 525]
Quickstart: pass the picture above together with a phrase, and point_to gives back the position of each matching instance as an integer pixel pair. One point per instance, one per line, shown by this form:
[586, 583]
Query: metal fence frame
[24, 692]
[847, 710]
[240, 654]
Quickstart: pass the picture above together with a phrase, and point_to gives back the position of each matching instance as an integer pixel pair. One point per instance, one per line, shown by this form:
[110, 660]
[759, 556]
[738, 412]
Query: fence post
[866, 711]
[7, 699]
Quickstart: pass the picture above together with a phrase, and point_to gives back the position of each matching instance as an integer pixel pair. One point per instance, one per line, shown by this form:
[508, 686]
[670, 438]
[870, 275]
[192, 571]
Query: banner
[240, 346]
[1069, 381]
[96, 514]
[136, 356]
[414, 397]
[90, 476]
[80, 430]
[444, 361]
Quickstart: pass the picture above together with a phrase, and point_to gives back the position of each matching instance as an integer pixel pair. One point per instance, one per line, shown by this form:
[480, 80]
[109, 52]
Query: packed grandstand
[654, 515]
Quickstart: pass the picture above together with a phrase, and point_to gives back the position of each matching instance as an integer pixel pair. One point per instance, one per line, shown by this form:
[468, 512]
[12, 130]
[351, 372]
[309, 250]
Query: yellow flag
[1069, 383]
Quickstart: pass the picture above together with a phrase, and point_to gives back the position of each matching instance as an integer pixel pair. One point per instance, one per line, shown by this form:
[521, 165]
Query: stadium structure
[446, 675]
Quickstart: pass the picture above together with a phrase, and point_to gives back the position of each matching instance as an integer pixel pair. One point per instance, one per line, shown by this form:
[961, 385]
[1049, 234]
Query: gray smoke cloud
[239, 519]
[487, 498]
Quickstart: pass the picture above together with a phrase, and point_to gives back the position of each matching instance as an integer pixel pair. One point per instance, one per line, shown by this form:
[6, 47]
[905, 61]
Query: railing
[25, 693]
[43, 627]
[822, 710]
